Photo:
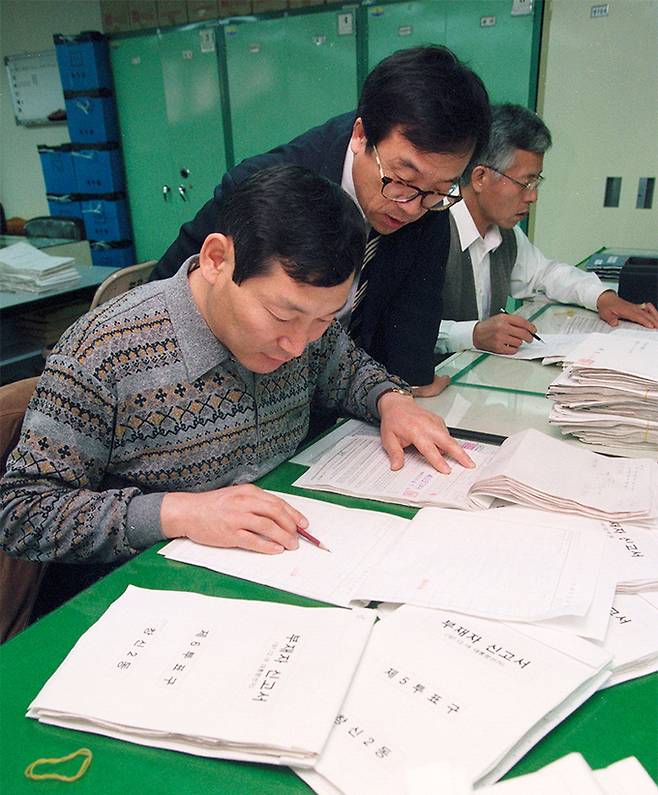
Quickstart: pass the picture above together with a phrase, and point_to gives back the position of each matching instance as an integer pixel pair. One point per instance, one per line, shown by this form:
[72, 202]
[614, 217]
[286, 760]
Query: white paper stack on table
[25, 267]
[434, 685]
[224, 678]
[515, 564]
[608, 392]
[529, 468]
[571, 775]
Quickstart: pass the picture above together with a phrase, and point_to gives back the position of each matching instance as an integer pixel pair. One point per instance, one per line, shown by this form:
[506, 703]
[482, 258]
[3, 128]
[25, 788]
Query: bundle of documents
[632, 637]
[529, 468]
[25, 267]
[221, 678]
[435, 685]
[553, 566]
[571, 775]
[608, 392]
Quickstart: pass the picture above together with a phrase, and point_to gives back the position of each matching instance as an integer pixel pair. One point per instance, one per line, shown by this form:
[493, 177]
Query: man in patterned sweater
[157, 410]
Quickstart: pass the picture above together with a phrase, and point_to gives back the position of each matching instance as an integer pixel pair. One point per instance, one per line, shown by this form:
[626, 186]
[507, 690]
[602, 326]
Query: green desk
[615, 723]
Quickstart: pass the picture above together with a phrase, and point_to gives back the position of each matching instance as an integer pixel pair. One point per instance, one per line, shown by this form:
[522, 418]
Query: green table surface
[618, 722]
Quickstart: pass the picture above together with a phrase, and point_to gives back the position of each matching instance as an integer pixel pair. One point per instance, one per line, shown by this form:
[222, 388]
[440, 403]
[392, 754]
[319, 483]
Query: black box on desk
[638, 280]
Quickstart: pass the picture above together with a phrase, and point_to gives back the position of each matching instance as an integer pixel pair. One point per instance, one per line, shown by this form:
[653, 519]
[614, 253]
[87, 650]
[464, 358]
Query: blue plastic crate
[98, 168]
[91, 116]
[68, 205]
[57, 167]
[116, 253]
[84, 61]
[106, 217]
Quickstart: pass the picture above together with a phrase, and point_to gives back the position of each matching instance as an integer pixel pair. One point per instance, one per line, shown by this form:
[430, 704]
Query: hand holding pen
[503, 333]
[536, 336]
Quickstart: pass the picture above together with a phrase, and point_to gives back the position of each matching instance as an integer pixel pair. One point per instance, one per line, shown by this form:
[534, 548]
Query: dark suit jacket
[402, 307]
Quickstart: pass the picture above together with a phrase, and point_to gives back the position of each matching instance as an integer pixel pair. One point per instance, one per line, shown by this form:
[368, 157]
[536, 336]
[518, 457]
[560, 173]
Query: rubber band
[88, 756]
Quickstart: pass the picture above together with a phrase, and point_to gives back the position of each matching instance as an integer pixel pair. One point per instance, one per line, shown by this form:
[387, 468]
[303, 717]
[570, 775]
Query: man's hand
[404, 423]
[612, 309]
[502, 333]
[437, 386]
[236, 516]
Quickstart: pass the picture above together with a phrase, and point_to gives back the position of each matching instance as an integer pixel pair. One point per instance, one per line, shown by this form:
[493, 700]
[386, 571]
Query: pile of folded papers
[607, 393]
[24, 267]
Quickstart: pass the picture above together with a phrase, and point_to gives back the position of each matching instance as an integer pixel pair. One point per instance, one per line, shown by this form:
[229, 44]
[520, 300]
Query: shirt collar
[468, 231]
[200, 348]
[347, 180]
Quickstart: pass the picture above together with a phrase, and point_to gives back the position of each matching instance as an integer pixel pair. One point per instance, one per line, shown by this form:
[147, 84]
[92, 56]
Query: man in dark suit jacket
[422, 114]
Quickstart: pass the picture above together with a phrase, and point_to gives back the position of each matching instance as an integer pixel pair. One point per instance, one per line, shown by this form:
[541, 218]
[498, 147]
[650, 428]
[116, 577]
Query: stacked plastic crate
[86, 75]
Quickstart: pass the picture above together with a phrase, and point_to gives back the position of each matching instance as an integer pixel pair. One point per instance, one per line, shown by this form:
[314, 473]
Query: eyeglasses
[402, 192]
[531, 184]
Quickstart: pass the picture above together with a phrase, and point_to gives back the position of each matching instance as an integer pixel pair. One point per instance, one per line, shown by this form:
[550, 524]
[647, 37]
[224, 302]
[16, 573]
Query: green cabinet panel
[167, 91]
[502, 53]
[398, 26]
[287, 74]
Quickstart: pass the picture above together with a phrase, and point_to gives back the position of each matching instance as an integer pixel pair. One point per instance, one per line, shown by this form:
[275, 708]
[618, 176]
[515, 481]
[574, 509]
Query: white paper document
[551, 345]
[632, 638]
[359, 465]
[25, 267]
[529, 468]
[436, 686]
[518, 565]
[225, 678]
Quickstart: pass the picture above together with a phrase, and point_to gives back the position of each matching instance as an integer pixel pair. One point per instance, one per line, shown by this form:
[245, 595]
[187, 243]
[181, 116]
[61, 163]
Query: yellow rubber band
[88, 756]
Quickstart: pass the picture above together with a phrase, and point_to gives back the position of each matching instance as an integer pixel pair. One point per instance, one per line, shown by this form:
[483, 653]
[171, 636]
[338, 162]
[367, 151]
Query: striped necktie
[356, 319]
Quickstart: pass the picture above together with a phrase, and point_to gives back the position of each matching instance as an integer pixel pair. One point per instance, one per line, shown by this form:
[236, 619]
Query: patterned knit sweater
[139, 399]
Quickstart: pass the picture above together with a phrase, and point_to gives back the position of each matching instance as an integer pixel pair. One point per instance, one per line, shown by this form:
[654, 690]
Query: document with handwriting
[434, 685]
[225, 678]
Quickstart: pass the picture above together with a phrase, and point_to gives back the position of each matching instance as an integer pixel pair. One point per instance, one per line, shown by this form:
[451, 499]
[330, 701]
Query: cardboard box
[234, 8]
[171, 12]
[115, 15]
[143, 14]
[200, 10]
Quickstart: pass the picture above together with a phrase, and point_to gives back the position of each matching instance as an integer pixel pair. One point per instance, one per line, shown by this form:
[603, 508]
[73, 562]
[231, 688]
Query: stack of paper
[608, 392]
[434, 685]
[571, 775]
[530, 468]
[632, 637]
[25, 267]
[512, 564]
[215, 677]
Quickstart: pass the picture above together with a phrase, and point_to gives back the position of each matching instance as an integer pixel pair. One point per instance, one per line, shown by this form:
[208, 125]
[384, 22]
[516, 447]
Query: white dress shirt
[532, 273]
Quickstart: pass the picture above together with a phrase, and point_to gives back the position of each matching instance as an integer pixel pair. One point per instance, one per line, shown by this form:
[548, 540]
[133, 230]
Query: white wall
[599, 97]
[28, 26]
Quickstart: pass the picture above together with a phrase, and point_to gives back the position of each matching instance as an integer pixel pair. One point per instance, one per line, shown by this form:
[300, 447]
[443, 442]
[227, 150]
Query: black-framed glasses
[403, 192]
[531, 184]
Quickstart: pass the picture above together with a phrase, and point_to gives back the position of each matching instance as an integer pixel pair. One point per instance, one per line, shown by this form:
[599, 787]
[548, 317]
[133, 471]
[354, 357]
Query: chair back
[19, 579]
[64, 227]
[122, 280]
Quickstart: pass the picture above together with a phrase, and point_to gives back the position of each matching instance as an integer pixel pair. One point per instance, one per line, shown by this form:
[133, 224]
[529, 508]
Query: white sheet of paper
[549, 563]
[632, 638]
[224, 678]
[551, 345]
[28, 259]
[359, 466]
[626, 777]
[432, 685]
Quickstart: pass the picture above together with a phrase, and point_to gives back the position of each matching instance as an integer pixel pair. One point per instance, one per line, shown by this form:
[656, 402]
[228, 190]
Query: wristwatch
[400, 391]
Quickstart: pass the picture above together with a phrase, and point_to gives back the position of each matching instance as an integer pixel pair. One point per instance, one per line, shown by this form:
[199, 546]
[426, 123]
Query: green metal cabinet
[287, 74]
[501, 53]
[398, 26]
[170, 114]
[501, 47]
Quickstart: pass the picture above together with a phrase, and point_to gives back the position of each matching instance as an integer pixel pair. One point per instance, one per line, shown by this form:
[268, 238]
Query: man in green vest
[490, 257]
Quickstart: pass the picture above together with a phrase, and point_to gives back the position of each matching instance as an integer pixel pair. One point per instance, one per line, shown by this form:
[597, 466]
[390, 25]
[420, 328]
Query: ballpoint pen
[536, 336]
[313, 540]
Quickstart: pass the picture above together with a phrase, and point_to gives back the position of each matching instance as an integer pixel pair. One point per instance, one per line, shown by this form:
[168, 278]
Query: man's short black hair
[440, 104]
[290, 215]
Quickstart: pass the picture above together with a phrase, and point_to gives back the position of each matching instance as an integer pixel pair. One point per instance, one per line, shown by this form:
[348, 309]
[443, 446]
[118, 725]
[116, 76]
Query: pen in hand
[312, 539]
[504, 311]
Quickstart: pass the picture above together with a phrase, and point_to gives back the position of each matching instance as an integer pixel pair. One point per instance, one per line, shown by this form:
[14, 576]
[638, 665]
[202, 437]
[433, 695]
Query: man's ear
[478, 178]
[358, 141]
[217, 257]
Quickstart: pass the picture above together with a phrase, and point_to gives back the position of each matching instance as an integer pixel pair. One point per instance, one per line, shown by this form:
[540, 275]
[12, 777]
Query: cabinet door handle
[182, 192]
[166, 190]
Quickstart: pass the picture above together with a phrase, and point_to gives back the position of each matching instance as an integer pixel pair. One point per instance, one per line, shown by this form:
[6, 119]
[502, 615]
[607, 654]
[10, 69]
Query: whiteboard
[35, 86]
